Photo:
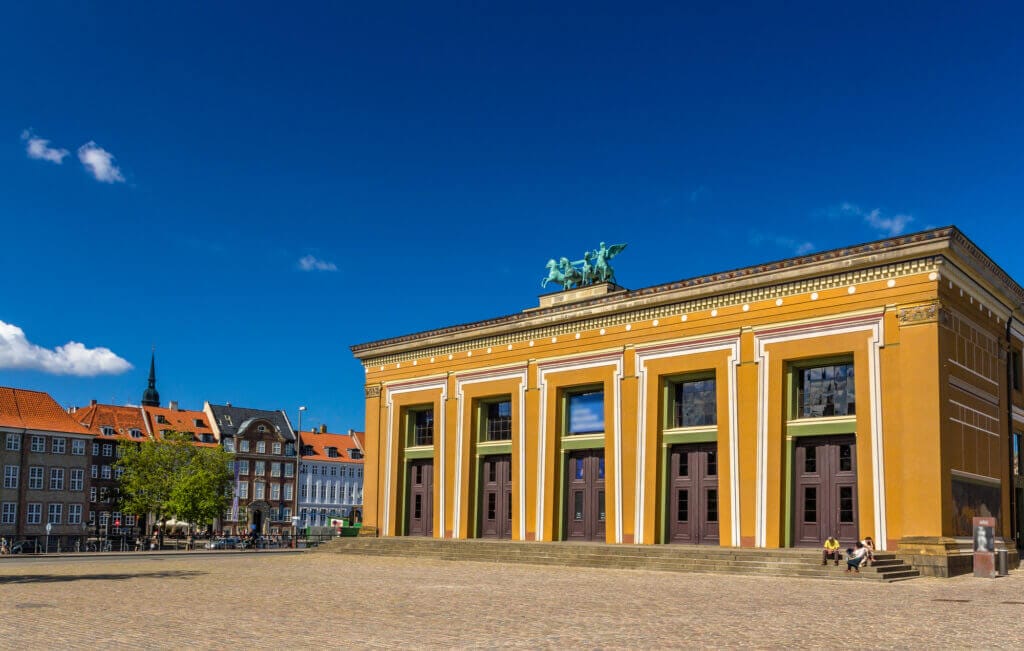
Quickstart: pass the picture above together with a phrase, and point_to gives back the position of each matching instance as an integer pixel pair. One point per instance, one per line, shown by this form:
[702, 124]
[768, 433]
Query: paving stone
[334, 600]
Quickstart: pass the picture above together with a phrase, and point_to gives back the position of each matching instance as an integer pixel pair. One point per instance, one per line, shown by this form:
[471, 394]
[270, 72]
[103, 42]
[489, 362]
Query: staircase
[804, 563]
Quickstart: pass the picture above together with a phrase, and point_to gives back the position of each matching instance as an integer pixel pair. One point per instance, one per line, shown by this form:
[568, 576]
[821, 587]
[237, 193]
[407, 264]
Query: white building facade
[330, 480]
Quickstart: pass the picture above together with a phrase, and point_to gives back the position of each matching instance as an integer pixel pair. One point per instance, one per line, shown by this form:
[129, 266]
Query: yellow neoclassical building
[873, 390]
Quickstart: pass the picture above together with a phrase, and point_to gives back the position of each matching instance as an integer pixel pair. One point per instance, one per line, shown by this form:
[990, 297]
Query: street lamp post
[295, 493]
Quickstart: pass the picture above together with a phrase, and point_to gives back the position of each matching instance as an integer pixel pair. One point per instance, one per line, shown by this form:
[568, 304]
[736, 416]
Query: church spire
[151, 397]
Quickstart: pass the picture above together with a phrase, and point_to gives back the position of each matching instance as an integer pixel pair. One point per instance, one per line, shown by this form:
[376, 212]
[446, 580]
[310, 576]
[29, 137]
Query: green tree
[171, 477]
[202, 489]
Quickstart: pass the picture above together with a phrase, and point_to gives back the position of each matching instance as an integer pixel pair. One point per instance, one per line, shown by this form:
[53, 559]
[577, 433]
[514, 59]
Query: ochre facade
[910, 346]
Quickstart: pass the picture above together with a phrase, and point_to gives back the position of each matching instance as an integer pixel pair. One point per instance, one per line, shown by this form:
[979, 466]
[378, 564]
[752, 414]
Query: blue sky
[167, 167]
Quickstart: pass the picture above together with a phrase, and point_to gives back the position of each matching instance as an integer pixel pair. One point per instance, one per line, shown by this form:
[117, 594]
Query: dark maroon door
[421, 498]
[693, 494]
[825, 490]
[585, 503]
[496, 496]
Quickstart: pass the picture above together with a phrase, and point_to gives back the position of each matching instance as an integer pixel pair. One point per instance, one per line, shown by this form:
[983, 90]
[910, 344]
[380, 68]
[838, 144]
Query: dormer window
[227, 419]
[106, 430]
[135, 433]
[207, 438]
[161, 419]
[332, 453]
[198, 422]
[307, 450]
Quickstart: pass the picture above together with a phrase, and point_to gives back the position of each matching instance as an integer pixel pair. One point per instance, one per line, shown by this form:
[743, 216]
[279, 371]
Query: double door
[585, 497]
[496, 496]
[825, 490]
[693, 494]
[420, 510]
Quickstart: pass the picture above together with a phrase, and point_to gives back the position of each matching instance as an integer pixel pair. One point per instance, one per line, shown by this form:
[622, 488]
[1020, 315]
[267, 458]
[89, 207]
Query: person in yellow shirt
[830, 550]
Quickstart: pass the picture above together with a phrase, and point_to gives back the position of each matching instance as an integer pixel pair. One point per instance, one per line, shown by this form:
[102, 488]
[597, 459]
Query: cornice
[885, 259]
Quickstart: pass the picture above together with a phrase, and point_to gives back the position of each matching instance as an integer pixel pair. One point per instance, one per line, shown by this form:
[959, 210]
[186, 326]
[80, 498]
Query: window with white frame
[118, 472]
[104, 518]
[92, 518]
[277, 447]
[275, 491]
[261, 428]
[34, 513]
[56, 479]
[129, 520]
[289, 469]
[55, 513]
[135, 433]
[74, 514]
[59, 445]
[92, 493]
[229, 445]
[287, 513]
[334, 471]
[95, 449]
[11, 476]
[243, 489]
[10, 513]
[243, 446]
[261, 447]
[107, 430]
[105, 472]
[78, 447]
[108, 449]
[94, 472]
[119, 451]
[288, 492]
[259, 490]
[261, 469]
[35, 478]
[302, 492]
[38, 444]
[275, 469]
[77, 482]
[13, 442]
[243, 466]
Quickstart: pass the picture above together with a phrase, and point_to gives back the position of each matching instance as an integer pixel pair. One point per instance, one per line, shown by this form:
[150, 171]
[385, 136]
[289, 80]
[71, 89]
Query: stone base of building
[946, 557]
[368, 531]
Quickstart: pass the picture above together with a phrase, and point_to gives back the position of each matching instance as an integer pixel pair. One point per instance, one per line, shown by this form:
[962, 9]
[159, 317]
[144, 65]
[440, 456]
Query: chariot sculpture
[594, 268]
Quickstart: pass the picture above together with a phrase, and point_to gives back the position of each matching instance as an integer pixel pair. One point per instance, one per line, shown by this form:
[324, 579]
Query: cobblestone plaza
[332, 600]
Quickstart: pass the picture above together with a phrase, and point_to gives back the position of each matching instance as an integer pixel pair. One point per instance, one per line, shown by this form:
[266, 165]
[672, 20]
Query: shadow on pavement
[59, 578]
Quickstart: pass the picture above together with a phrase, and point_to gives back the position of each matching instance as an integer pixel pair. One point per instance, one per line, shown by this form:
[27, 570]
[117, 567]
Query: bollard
[1002, 562]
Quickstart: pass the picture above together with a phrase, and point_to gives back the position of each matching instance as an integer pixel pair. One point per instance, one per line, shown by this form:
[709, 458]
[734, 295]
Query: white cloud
[311, 263]
[100, 163]
[40, 149]
[73, 358]
[798, 247]
[888, 226]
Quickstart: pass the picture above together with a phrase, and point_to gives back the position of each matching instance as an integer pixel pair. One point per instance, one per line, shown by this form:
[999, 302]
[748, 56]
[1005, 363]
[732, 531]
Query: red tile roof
[321, 441]
[180, 420]
[24, 409]
[121, 418]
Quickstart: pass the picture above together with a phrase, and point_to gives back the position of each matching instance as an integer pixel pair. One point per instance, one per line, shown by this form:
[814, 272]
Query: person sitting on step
[869, 556]
[856, 558]
[830, 550]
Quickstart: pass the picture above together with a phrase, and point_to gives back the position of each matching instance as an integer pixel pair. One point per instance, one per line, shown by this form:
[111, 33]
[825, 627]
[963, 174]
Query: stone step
[668, 558]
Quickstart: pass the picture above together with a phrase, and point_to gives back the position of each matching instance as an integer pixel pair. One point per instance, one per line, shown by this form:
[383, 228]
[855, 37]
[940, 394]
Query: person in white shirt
[869, 558]
[856, 558]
